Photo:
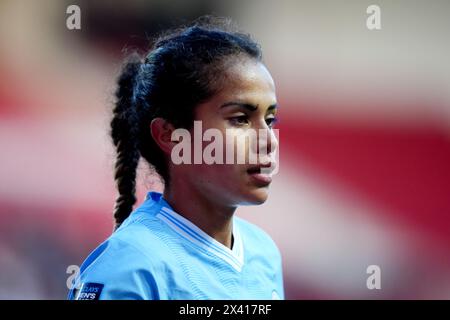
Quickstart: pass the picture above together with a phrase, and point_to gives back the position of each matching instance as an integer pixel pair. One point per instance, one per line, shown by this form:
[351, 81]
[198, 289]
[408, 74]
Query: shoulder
[145, 234]
[264, 254]
[129, 264]
[142, 243]
[256, 237]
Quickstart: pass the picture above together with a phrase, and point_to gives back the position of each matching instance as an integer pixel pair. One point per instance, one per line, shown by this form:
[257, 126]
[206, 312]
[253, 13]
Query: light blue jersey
[158, 254]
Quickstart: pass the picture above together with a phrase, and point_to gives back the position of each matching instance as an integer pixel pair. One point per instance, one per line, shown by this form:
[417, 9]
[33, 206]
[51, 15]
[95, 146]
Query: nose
[267, 140]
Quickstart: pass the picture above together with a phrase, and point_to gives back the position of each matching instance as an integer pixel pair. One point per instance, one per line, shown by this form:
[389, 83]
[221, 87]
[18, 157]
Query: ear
[161, 131]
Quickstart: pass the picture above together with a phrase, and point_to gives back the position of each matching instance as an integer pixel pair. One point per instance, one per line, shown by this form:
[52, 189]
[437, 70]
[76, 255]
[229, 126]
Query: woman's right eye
[239, 120]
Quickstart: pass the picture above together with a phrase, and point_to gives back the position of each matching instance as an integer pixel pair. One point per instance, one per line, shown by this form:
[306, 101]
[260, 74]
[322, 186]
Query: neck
[211, 217]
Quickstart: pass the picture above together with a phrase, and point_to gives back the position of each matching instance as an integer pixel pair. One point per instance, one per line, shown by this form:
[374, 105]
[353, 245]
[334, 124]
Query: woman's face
[245, 106]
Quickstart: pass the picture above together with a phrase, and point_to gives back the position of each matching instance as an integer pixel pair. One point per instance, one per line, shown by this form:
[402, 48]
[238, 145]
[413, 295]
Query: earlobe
[161, 131]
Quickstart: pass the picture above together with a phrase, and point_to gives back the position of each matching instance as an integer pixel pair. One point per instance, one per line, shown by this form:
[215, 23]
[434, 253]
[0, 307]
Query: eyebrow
[247, 106]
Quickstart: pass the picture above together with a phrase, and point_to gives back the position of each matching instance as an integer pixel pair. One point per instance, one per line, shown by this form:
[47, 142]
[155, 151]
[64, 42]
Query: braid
[125, 138]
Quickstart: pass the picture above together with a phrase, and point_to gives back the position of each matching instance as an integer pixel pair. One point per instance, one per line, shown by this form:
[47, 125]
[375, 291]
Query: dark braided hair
[184, 68]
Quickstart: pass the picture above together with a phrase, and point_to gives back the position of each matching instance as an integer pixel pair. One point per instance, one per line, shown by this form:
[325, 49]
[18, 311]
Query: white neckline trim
[234, 257]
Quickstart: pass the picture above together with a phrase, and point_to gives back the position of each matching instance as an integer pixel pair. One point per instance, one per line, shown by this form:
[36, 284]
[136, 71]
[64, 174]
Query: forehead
[247, 80]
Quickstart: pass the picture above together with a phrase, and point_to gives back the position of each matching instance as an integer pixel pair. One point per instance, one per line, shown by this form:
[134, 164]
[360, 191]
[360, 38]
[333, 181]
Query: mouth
[261, 174]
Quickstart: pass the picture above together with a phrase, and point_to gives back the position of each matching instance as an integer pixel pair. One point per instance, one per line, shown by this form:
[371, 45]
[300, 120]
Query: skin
[208, 195]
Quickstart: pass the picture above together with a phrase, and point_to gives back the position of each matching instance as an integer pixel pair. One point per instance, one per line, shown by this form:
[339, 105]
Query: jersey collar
[185, 228]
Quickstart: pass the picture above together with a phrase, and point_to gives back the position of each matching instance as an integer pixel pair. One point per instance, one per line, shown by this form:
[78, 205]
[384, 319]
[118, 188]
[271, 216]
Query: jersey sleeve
[116, 270]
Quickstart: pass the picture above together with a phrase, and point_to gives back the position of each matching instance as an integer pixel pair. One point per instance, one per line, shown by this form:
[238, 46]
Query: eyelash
[237, 121]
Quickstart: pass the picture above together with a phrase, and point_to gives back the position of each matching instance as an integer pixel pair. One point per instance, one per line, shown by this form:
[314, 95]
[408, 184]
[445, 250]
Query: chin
[256, 197]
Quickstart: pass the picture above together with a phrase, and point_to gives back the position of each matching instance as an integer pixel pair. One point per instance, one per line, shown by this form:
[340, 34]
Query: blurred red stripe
[405, 170]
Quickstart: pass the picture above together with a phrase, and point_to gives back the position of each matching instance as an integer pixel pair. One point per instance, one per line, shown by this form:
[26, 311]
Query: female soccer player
[186, 243]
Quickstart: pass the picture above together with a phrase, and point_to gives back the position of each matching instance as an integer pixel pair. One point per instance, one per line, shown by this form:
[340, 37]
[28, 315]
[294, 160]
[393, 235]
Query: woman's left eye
[271, 121]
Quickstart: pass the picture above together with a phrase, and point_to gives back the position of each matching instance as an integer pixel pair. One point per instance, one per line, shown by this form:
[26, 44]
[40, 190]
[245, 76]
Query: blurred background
[364, 139]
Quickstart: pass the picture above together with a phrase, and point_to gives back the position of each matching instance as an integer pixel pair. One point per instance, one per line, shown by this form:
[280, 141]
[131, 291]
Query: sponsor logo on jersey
[90, 291]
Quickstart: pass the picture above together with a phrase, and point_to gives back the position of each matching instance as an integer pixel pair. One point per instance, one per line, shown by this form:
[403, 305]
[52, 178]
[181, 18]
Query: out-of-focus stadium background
[364, 138]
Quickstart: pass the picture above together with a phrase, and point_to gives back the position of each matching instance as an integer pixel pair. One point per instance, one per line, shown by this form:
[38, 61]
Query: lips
[264, 168]
[261, 174]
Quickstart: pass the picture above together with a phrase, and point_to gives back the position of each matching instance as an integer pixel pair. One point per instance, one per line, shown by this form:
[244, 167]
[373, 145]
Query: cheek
[218, 174]
[215, 180]
[224, 176]
[237, 143]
